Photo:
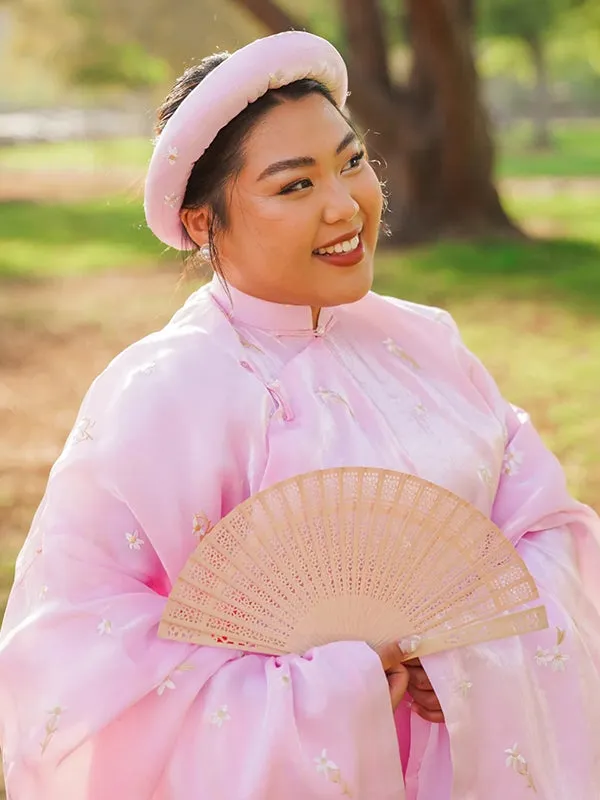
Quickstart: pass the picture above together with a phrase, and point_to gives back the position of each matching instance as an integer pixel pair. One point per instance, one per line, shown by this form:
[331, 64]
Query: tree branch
[363, 23]
[271, 15]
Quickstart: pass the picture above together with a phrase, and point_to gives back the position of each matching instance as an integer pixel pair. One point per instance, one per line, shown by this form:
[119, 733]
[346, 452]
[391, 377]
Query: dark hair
[224, 158]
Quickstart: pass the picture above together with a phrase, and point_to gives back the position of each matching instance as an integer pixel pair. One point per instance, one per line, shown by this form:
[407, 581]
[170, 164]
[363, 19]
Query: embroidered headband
[241, 79]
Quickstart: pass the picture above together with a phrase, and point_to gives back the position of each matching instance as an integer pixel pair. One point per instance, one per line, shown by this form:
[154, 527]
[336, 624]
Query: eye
[297, 186]
[355, 161]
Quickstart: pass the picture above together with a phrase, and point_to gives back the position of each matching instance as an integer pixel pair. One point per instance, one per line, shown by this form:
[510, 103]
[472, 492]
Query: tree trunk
[449, 182]
[431, 135]
[541, 108]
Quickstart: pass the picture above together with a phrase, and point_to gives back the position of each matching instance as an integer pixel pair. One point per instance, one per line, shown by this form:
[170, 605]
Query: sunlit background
[81, 277]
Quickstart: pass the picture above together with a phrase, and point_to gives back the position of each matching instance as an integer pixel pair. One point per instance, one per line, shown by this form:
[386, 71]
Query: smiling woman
[286, 363]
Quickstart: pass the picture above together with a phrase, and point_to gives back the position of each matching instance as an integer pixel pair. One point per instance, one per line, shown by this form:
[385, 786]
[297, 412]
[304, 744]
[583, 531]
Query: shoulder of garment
[188, 375]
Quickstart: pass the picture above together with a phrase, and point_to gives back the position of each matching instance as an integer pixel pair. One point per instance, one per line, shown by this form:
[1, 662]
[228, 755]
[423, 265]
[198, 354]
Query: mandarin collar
[276, 318]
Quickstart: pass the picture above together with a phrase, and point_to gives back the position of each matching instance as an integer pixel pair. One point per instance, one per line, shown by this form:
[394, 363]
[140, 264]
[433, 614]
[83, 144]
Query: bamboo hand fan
[352, 554]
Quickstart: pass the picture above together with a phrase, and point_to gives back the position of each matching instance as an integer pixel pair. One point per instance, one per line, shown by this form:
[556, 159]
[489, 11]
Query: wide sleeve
[93, 705]
[523, 714]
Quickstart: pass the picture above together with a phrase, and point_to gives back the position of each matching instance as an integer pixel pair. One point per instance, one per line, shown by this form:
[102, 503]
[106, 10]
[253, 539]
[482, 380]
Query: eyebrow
[304, 161]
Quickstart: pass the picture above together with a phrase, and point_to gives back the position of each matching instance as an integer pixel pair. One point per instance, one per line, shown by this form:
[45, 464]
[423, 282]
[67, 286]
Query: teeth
[340, 247]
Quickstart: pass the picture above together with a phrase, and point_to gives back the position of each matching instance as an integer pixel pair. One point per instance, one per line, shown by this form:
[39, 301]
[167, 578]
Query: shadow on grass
[560, 271]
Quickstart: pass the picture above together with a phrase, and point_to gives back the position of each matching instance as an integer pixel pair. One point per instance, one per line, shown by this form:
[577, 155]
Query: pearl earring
[205, 253]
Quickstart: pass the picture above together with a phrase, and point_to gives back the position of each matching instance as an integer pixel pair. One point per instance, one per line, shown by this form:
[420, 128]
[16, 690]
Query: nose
[340, 205]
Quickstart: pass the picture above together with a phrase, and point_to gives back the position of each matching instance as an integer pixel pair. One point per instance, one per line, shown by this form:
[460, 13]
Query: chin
[349, 291]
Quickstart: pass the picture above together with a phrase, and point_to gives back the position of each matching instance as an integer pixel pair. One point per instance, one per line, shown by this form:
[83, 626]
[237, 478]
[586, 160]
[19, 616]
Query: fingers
[398, 683]
[418, 678]
[426, 699]
[431, 716]
[391, 657]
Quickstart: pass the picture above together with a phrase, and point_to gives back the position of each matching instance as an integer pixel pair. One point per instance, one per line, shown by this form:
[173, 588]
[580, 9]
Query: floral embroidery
[277, 79]
[105, 627]
[202, 525]
[248, 345]
[171, 200]
[168, 682]
[286, 680]
[220, 716]
[485, 475]
[514, 760]
[464, 687]
[512, 461]
[335, 397]
[43, 592]
[134, 540]
[51, 727]
[331, 771]
[553, 658]
[420, 410]
[395, 349]
[148, 368]
[172, 155]
[81, 432]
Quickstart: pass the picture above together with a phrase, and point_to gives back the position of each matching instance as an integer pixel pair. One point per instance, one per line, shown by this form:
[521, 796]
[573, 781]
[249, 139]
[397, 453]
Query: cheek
[369, 195]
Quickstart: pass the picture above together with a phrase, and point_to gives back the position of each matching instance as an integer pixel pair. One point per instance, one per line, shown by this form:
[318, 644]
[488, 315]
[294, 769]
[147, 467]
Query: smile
[341, 247]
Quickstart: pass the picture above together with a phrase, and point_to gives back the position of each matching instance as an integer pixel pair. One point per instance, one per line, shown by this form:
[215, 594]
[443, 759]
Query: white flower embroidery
[559, 661]
[43, 592]
[277, 79]
[220, 716]
[542, 657]
[81, 431]
[420, 410]
[168, 683]
[516, 761]
[134, 540]
[395, 349]
[512, 461]
[331, 771]
[485, 475]
[172, 200]
[172, 155]
[105, 627]
[554, 658]
[324, 765]
[201, 525]
[464, 687]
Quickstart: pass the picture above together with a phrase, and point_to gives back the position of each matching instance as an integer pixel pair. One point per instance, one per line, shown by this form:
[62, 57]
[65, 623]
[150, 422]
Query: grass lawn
[576, 153]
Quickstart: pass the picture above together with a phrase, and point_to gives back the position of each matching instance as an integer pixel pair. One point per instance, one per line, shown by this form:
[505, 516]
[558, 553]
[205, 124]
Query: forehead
[311, 126]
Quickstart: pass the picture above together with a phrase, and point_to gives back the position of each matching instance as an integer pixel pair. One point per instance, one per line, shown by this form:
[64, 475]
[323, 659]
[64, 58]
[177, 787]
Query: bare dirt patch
[55, 337]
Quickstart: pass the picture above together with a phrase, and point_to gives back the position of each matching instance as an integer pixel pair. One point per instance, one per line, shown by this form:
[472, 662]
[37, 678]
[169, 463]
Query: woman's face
[306, 184]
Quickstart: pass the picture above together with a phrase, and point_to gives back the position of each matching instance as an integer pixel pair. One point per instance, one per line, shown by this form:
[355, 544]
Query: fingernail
[410, 644]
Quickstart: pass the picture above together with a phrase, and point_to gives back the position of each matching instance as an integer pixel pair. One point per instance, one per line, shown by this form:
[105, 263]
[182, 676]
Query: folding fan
[352, 554]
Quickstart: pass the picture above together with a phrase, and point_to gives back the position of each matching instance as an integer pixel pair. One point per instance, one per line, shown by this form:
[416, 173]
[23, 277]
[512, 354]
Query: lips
[348, 258]
[344, 238]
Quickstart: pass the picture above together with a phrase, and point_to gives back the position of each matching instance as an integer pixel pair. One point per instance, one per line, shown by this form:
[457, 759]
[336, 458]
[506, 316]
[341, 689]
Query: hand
[425, 704]
[397, 674]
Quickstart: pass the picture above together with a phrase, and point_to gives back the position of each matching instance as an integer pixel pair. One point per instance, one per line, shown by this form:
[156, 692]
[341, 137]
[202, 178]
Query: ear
[196, 223]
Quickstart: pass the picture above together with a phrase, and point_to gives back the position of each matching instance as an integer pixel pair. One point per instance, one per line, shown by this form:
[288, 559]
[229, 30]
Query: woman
[285, 363]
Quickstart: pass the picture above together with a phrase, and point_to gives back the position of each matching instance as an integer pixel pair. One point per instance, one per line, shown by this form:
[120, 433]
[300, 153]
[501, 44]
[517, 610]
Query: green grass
[131, 153]
[45, 239]
[575, 152]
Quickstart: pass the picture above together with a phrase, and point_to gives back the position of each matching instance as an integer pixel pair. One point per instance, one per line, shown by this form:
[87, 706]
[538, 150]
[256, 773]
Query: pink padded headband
[241, 79]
